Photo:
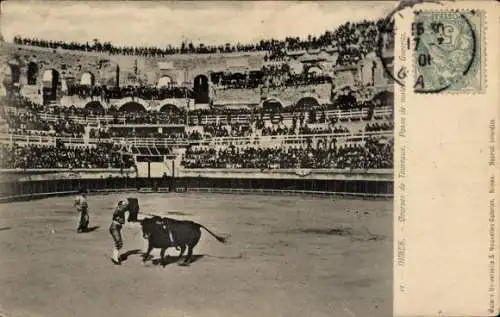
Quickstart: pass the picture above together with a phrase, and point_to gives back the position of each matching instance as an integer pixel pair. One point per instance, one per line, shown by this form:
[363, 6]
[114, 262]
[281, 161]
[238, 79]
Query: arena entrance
[11, 73]
[15, 70]
[50, 84]
[306, 103]
[32, 73]
[201, 90]
[171, 110]
[87, 79]
[95, 106]
[8, 74]
[272, 105]
[132, 107]
[164, 82]
[8, 77]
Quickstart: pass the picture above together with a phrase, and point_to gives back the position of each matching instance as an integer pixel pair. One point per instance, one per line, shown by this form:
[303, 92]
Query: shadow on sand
[91, 229]
[173, 259]
[5, 229]
[125, 255]
[179, 213]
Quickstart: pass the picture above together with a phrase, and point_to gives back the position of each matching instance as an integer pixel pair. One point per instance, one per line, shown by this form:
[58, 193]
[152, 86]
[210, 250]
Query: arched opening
[50, 78]
[164, 81]
[87, 79]
[314, 70]
[201, 92]
[306, 103]
[6, 73]
[383, 98]
[32, 73]
[272, 105]
[171, 110]
[345, 100]
[15, 71]
[50, 84]
[95, 106]
[132, 107]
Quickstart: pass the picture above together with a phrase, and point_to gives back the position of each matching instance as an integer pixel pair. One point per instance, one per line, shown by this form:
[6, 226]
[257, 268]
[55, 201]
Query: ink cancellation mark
[448, 51]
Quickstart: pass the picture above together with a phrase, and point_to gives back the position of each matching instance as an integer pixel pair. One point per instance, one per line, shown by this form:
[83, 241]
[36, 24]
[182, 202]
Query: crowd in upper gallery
[353, 41]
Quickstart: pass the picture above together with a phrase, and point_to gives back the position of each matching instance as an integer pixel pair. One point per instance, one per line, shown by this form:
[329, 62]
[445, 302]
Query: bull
[163, 233]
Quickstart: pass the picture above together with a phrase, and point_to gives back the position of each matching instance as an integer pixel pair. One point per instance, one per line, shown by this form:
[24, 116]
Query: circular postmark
[385, 49]
[445, 50]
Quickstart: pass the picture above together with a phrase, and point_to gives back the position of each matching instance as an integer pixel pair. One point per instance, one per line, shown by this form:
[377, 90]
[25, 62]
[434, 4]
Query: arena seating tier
[342, 131]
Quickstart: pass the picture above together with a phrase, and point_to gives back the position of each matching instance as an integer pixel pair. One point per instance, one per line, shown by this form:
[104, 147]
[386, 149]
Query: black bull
[163, 233]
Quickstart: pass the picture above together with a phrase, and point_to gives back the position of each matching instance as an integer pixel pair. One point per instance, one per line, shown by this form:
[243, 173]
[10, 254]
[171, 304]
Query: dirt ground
[286, 256]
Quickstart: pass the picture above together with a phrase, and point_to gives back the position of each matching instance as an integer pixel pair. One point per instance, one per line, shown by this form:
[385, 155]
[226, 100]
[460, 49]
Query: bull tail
[219, 238]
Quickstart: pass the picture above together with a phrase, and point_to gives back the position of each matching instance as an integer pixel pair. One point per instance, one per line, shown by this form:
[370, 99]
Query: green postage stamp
[449, 53]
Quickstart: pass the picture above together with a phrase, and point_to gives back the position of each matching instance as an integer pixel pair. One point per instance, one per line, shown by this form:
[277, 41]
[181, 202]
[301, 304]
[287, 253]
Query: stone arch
[307, 102]
[170, 109]
[144, 105]
[132, 106]
[15, 72]
[94, 106]
[314, 70]
[87, 78]
[272, 105]
[32, 73]
[51, 77]
[164, 81]
[50, 85]
[201, 89]
[6, 74]
[384, 98]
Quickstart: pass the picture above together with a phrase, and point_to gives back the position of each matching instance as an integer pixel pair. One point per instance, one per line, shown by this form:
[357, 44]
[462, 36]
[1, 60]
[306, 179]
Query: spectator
[59, 156]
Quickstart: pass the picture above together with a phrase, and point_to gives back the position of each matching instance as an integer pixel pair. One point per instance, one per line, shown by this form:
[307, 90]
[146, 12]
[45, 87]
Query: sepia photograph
[197, 159]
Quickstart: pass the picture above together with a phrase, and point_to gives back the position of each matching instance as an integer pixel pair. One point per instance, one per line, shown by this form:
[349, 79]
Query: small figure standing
[115, 228]
[81, 206]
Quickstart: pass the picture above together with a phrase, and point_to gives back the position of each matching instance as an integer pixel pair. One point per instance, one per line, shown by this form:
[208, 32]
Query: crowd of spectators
[275, 76]
[323, 130]
[138, 132]
[184, 48]
[377, 127]
[227, 80]
[234, 130]
[352, 41]
[141, 91]
[58, 156]
[70, 121]
[31, 118]
[270, 76]
[355, 40]
[373, 154]
[279, 130]
[148, 117]
[30, 123]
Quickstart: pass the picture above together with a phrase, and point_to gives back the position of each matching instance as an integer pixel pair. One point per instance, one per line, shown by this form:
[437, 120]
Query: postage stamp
[448, 51]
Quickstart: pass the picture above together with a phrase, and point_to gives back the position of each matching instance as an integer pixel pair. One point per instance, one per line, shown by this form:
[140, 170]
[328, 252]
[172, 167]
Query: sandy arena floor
[286, 256]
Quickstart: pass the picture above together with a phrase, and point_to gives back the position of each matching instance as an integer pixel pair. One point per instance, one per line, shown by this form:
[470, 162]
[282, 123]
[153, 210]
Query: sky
[158, 23]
